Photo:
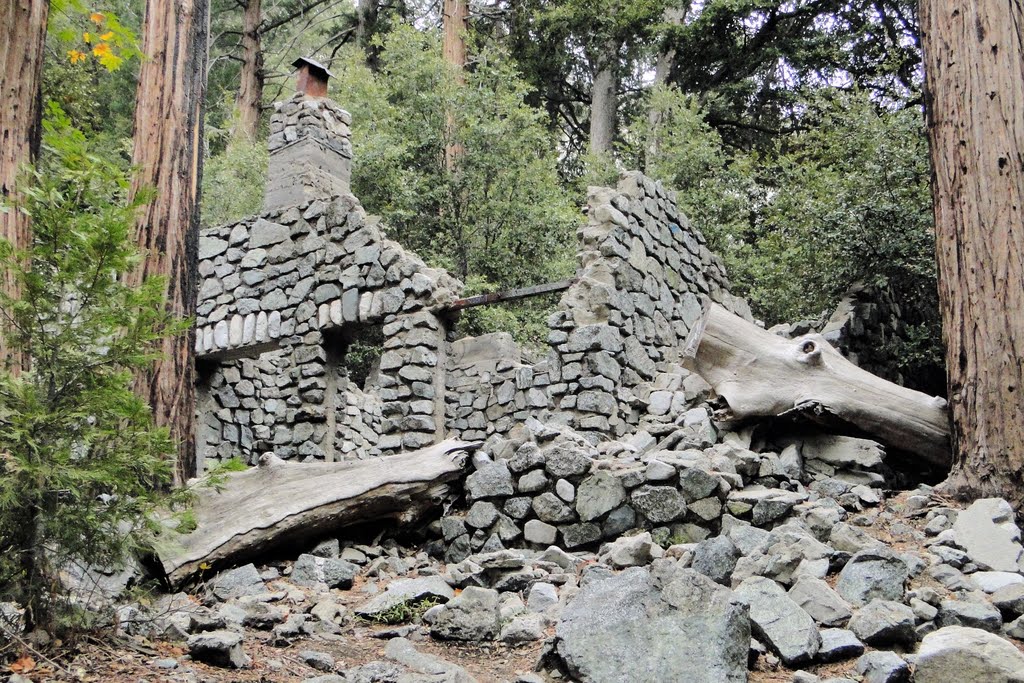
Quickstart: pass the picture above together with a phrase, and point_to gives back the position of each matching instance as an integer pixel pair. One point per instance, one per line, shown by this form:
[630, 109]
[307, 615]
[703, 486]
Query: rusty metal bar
[511, 295]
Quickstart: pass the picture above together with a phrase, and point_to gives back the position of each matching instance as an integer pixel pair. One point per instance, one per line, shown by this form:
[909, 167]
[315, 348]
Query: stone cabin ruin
[290, 298]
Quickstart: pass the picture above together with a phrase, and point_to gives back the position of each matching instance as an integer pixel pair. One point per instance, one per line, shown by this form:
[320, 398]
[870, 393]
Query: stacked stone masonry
[288, 290]
[642, 272]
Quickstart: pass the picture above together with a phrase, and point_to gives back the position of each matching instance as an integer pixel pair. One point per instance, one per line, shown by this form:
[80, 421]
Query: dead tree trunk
[291, 502]
[974, 70]
[760, 374]
[168, 153]
[250, 87]
[22, 40]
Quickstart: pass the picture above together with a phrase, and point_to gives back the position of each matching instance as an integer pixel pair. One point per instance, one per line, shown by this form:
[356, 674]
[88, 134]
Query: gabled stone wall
[282, 296]
[616, 332]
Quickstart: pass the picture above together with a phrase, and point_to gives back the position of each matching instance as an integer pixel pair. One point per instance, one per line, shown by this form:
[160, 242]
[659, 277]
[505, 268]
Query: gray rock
[473, 615]
[540, 532]
[310, 570]
[659, 504]
[565, 490]
[691, 630]
[695, 484]
[524, 628]
[262, 615]
[489, 481]
[818, 599]
[584, 533]
[550, 508]
[883, 622]
[630, 551]
[618, 521]
[533, 481]
[979, 615]
[987, 532]
[482, 515]
[238, 582]
[883, 667]
[542, 596]
[870, 575]
[405, 591]
[658, 471]
[598, 494]
[779, 622]
[321, 661]
[1009, 600]
[435, 669]
[219, 648]
[973, 654]
[715, 558]
[566, 460]
[837, 644]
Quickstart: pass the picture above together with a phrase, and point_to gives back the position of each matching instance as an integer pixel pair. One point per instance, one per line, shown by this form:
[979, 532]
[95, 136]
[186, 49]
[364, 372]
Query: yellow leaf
[75, 56]
[107, 36]
[204, 566]
[87, 37]
[97, 18]
[101, 49]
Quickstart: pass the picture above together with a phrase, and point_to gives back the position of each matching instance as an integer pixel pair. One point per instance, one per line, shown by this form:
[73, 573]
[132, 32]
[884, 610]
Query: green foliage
[82, 463]
[405, 611]
[499, 216]
[233, 182]
[845, 200]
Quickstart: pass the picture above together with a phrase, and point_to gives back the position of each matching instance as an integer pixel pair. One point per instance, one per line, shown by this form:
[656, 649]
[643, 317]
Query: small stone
[539, 532]
[598, 494]
[659, 504]
[489, 481]
[818, 599]
[472, 615]
[837, 644]
[779, 622]
[321, 661]
[883, 667]
[310, 570]
[979, 615]
[715, 558]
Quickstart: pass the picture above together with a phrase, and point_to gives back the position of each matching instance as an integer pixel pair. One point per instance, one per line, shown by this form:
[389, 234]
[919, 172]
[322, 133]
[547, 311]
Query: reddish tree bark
[250, 89]
[22, 39]
[168, 153]
[974, 71]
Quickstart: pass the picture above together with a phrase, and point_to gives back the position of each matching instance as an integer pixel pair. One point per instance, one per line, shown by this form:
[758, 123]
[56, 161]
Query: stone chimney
[310, 143]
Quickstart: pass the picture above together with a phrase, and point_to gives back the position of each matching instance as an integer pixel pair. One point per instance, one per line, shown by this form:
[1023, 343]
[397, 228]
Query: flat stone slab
[987, 532]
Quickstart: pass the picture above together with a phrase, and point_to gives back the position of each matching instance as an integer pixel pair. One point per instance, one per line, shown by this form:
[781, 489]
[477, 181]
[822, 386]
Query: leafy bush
[82, 464]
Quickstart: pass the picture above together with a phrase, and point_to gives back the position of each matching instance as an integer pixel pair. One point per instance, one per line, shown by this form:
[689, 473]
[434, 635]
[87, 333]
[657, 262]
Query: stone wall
[283, 296]
[642, 271]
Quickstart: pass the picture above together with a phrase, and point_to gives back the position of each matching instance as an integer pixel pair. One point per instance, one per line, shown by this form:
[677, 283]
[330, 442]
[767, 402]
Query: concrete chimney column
[310, 143]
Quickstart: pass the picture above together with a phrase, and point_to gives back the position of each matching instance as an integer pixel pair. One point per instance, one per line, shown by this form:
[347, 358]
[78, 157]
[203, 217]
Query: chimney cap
[315, 68]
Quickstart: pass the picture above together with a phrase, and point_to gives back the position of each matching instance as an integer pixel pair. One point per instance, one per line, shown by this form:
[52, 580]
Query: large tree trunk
[456, 17]
[168, 154]
[974, 69]
[760, 374]
[22, 40]
[250, 87]
[287, 503]
[662, 69]
[603, 106]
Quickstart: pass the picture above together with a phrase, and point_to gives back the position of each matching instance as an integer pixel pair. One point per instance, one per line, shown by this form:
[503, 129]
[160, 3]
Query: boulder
[310, 570]
[838, 643]
[659, 504]
[987, 532]
[473, 615]
[405, 591]
[219, 648]
[883, 667]
[598, 494]
[238, 582]
[689, 630]
[631, 551]
[493, 479]
[969, 613]
[715, 558]
[883, 622]
[779, 622]
[870, 575]
[818, 599]
[974, 655]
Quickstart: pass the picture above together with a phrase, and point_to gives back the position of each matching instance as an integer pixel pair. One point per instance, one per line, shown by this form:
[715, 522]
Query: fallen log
[281, 502]
[760, 374]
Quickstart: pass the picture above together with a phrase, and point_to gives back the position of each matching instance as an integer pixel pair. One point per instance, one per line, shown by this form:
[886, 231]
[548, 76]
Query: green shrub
[82, 464]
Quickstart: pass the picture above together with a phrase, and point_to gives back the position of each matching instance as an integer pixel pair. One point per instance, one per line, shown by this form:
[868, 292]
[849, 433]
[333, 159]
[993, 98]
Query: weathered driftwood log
[280, 502]
[761, 374]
